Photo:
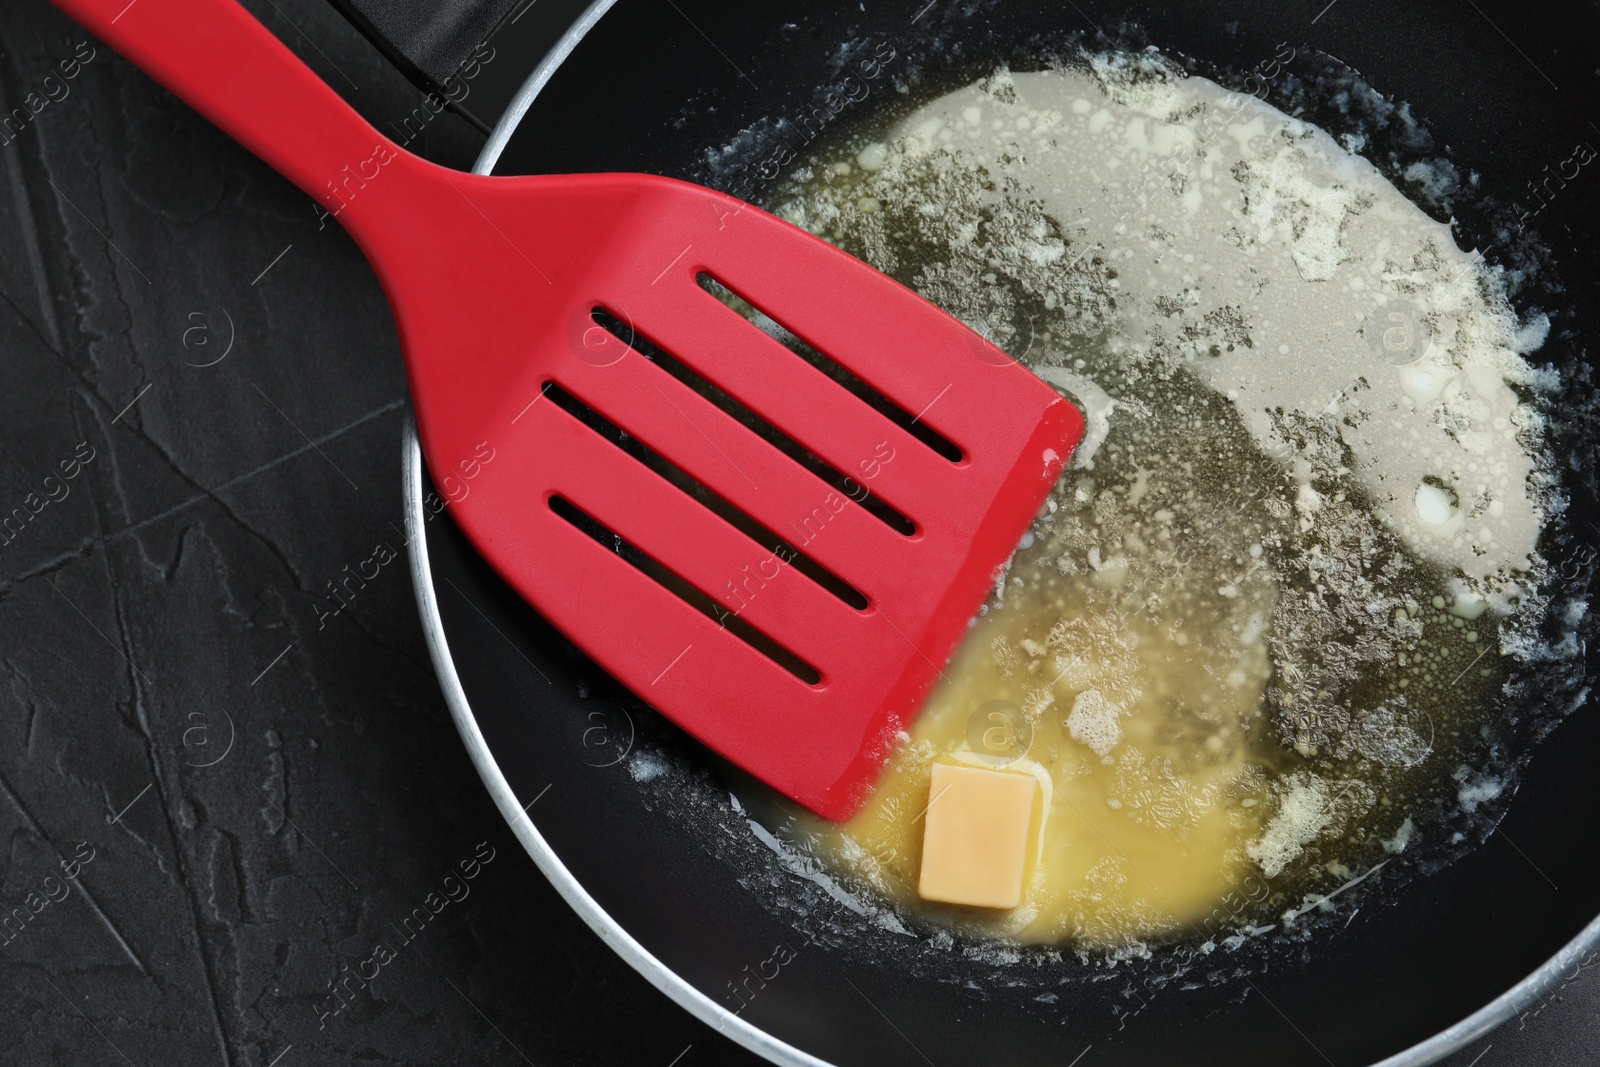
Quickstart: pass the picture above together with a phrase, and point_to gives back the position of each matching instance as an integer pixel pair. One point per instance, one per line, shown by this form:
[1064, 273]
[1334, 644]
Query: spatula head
[779, 563]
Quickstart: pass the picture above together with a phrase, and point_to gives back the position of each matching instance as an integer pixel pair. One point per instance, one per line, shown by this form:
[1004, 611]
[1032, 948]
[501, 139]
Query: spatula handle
[216, 57]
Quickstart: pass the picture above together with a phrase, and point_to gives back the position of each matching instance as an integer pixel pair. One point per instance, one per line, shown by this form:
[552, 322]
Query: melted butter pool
[1253, 636]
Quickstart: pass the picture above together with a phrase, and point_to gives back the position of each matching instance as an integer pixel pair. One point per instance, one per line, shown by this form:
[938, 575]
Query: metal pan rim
[618, 939]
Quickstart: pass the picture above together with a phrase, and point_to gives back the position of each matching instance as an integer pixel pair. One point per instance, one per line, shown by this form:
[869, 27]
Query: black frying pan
[634, 824]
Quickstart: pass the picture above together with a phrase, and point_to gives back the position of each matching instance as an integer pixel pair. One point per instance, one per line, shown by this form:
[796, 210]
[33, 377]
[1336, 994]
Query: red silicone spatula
[791, 620]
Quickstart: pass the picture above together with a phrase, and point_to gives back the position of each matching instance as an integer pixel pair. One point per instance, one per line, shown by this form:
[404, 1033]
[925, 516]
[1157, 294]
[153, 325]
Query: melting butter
[1256, 626]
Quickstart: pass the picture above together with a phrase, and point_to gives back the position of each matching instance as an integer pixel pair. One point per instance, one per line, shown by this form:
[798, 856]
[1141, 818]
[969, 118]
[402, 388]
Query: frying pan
[646, 836]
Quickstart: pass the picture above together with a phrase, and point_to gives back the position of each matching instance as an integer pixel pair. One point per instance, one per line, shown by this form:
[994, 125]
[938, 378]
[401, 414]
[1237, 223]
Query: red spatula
[777, 562]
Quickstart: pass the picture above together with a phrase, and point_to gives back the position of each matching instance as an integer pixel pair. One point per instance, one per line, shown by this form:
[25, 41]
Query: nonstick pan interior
[648, 841]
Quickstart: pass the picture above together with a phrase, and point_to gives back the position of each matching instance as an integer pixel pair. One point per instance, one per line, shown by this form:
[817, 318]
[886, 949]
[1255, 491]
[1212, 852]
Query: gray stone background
[258, 788]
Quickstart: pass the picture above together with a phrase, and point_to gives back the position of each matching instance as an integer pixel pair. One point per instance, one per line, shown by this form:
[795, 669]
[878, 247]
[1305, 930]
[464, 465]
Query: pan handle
[217, 58]
[431, 41]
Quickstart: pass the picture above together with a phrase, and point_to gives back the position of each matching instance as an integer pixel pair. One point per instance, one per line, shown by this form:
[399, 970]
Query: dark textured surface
[176, 598]
[137, 613]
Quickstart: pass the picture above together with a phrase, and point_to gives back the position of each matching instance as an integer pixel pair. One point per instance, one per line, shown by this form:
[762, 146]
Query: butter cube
[975, 836]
